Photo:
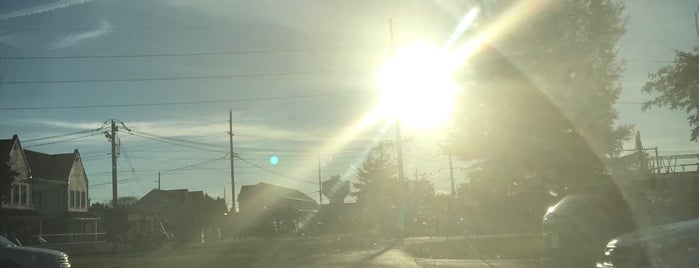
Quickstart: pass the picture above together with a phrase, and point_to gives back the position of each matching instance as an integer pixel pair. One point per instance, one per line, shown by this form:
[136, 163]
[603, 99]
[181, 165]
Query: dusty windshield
[348, 133]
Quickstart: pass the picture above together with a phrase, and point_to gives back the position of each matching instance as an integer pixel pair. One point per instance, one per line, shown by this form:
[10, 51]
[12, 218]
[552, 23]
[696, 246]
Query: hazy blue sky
[324, 54]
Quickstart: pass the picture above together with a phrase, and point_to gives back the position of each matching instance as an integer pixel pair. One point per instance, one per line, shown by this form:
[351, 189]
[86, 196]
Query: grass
[292, 252]
[328, 251]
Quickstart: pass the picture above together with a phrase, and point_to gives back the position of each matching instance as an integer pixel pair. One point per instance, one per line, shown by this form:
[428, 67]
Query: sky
[298, 76]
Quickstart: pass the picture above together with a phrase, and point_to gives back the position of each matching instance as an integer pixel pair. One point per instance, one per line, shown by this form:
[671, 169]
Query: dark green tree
[677, 87]
[394, 206]
[537, 120]
[7, 176]
[379, 191]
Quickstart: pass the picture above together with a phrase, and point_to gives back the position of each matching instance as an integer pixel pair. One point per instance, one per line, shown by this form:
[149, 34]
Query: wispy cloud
[42, 8]
[73, 39]
[11, 40]
[244, 131]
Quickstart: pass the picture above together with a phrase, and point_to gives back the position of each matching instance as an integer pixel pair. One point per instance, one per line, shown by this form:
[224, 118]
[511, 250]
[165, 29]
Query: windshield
[358, 133]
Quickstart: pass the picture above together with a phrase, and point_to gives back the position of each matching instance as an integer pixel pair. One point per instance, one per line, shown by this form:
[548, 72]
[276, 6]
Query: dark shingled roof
[247, 191]
[50, 167]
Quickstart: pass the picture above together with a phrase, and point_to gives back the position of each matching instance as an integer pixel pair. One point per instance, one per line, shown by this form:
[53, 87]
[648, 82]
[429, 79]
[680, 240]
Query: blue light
[274, 160]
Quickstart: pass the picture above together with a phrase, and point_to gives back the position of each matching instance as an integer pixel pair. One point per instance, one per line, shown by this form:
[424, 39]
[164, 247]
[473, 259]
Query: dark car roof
[661, 235]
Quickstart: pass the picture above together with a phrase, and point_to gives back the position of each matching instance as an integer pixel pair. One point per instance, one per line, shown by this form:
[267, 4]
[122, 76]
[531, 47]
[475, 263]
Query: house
[48, 197]
[17, 212]
[60, 193]
[182, 213]
[269, 209]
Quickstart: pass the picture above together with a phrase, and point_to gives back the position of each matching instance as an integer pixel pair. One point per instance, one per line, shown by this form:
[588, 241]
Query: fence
[68, 238]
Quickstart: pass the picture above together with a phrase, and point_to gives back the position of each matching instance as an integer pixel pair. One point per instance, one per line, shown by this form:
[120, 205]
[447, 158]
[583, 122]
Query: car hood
[660, 235]
[44, 251]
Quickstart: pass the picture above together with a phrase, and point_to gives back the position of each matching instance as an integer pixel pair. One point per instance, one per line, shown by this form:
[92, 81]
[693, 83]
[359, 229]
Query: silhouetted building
[48, 195]
[16, 211]
[60, 193]
[177, 212]
[270, 209]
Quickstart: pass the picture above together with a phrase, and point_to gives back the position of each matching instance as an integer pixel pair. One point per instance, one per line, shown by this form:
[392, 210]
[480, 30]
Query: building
[60, 193]
[270, 209]
[17, 213]
[49, 196]
[180, 213]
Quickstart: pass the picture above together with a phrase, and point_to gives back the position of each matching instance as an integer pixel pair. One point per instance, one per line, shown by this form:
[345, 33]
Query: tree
[7, 176]
[539, 123]
[677, 86]
[116, 220]
[379, 191]
[394, 205]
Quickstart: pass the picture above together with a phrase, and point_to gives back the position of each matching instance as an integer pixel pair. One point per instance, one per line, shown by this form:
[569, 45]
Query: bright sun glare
[417, 87]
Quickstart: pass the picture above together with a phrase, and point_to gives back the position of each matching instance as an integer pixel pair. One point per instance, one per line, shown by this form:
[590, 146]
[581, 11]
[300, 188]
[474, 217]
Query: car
[14, 256]
[578, 226]
[670, 245]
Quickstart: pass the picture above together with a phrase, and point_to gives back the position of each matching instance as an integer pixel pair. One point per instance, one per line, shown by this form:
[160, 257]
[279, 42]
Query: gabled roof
[50, 167]
[5, 149]
[272, 191]
[171, 197]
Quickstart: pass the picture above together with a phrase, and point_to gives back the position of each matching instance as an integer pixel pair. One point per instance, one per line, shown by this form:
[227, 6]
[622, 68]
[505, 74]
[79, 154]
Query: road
[295, 252]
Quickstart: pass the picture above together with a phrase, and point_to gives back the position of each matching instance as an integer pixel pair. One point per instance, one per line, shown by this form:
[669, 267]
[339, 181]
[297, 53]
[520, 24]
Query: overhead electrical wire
[176, 139]
[59, 141]
[186, 54]
[274, 172]
[183, 102]
[169, 171]
[177, 143]
[175, 78]
[60, 135]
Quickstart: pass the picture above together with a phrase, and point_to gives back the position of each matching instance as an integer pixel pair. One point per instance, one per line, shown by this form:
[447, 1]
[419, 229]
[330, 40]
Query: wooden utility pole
[399, 139]
[320, 184]
[232, 154]
[158, 180]
[114, 165]
[451, 176]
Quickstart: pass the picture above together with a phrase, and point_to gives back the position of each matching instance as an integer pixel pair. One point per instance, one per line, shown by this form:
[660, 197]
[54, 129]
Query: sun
[417, 87]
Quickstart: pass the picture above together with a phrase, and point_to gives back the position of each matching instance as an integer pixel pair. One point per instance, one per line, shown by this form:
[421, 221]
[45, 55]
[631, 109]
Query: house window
[23, 194]
[72, 199]
[15, 194]
[83, 199]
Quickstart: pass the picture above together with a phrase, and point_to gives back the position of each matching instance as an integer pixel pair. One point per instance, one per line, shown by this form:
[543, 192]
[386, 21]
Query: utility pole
[232, 154]
[696, 21]
[114, 165]
[451, 176]
[399, 139]
[320, 185]
[158, 180]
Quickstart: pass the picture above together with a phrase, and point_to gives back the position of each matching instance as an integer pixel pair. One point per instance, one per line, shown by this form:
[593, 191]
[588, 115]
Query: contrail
[41, 9]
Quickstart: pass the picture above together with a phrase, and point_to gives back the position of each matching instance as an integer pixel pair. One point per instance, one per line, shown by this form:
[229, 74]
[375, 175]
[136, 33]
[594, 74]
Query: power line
[175, 143]
[174, 78]
[184, 54]
[61, 135]
[178, 103]
[59, 141]
[275, 173]
[170, 171]
[176, 139]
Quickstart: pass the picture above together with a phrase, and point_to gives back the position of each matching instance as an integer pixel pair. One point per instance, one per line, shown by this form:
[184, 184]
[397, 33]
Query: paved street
[295, 252]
